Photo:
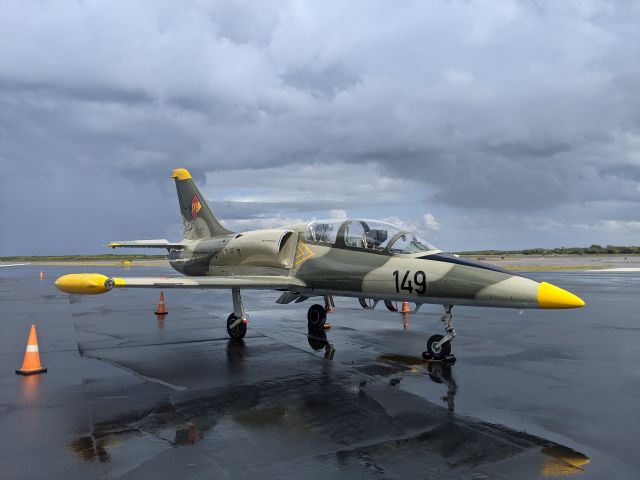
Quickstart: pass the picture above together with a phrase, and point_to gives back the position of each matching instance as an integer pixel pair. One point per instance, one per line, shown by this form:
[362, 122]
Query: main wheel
[438, 352]
[367, 303]
[316, 316]
[239, 330]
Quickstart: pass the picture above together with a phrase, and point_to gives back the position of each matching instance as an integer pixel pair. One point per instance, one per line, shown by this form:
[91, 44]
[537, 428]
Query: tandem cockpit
[366, 235]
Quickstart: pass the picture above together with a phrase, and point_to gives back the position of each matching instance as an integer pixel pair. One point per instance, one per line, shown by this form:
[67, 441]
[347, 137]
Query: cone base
[160, 313]
[30, 372]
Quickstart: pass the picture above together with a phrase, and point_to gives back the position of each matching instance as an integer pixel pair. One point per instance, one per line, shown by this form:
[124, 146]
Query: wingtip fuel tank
[84, 283]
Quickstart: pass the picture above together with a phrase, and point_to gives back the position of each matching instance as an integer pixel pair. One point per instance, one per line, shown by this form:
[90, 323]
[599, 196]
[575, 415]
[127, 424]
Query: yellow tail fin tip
[181, 174]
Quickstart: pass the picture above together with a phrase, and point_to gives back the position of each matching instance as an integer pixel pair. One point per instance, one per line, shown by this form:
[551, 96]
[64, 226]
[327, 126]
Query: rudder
[198, 219]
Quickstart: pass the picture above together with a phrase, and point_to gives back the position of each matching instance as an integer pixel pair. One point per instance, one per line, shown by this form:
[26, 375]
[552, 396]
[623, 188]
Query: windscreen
[409, 243]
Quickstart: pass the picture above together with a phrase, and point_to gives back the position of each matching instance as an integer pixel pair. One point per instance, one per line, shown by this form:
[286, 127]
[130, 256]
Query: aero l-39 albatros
[364, 259]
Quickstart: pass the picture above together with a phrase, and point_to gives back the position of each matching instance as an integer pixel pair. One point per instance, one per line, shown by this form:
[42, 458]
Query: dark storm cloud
[524, 110]
[623, 171]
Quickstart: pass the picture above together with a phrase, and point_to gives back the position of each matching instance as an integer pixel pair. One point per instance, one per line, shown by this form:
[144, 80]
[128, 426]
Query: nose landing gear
[439, 346]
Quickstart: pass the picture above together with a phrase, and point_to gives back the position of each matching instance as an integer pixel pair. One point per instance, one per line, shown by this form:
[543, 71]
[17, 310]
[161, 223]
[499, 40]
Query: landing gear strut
[439, 346]
[237, 321]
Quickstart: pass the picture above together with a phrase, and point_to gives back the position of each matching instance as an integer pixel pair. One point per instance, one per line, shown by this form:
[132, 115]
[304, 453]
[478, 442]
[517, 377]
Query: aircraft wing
[95, 283]
[235, 281]
[158, 243]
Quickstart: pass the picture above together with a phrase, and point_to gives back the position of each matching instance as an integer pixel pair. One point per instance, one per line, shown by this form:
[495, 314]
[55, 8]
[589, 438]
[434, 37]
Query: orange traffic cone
[31, 363]
[41, 275]
[405, 307]
[161, 310]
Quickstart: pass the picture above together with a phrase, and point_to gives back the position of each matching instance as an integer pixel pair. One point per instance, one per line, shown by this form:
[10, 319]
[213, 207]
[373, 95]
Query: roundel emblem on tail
[195, 207]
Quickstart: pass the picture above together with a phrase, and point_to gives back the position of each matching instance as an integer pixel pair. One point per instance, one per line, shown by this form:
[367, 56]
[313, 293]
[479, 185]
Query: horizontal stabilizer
[158, 243]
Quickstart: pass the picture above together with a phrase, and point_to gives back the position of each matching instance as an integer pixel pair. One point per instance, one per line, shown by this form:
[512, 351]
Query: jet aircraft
[365, 259]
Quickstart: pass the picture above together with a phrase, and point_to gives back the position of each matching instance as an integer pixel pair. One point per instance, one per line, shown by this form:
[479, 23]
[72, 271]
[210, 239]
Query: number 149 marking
[419, 280]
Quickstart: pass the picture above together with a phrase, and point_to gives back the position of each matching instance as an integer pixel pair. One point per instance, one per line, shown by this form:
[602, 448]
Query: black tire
[367, 303]
[237, 332]
[316, 316]
[440, 353]
[391, 306]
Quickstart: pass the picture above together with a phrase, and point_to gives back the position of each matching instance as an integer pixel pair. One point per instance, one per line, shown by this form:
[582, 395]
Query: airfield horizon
[508, 261]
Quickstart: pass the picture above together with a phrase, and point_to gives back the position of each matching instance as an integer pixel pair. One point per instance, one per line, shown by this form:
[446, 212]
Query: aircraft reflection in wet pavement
[314, 408]
[324, 258]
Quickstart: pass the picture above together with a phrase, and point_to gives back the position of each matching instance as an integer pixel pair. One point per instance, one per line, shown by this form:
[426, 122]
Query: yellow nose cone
[550, 296]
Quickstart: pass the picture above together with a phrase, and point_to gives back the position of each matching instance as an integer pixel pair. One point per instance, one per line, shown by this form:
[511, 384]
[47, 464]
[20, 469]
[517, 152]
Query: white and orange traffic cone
[405, 307]
[41, 274]
[161, 309]
[31, 363]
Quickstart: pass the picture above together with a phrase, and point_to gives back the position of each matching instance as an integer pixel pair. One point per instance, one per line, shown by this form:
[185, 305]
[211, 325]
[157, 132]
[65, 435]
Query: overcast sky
[496, 124]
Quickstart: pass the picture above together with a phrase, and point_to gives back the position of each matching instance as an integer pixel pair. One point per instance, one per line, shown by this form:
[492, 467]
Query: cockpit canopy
[365, 234]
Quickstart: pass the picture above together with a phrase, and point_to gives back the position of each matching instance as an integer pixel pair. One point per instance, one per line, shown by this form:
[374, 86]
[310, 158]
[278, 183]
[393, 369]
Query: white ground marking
[625, 269]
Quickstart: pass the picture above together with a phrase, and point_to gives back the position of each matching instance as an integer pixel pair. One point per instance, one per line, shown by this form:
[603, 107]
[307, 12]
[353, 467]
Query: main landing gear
[237, 321]
[316, 316]
[439, 346]
[317, 337]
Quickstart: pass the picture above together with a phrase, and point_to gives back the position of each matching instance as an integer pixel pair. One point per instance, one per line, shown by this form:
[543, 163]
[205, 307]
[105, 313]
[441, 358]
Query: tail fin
[198, 219]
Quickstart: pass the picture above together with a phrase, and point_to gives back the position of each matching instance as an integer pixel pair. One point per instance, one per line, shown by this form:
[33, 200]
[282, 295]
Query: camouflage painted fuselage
[428, 277]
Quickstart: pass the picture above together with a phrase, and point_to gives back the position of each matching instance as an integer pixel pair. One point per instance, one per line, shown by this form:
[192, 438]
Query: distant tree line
[102, 256]
[592, 250]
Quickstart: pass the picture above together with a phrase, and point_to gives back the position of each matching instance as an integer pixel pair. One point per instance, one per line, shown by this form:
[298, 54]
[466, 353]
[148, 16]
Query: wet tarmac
[533, 394]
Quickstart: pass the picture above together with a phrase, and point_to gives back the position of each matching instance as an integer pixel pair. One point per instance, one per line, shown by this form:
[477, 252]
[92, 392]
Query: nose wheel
[439, 346]
[436, 349]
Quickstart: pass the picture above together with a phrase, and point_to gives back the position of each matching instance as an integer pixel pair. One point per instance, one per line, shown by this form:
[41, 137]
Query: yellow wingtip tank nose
[84, 283]
[550, 296]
